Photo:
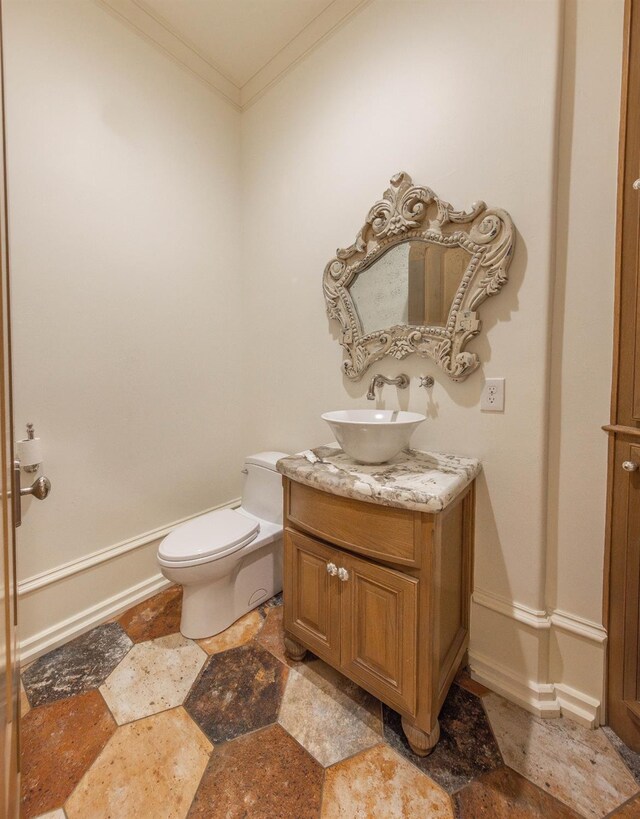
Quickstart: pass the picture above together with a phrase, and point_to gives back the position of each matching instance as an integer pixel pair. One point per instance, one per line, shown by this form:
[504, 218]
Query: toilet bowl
[229, 561]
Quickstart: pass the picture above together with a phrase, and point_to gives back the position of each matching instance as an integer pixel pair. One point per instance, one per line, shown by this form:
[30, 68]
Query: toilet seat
[208, 537]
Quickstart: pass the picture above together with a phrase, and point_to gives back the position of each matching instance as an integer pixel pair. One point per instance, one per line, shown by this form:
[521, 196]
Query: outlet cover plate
[492, 398]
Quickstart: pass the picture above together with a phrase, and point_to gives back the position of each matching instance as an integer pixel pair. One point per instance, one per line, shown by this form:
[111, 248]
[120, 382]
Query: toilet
[229, 561]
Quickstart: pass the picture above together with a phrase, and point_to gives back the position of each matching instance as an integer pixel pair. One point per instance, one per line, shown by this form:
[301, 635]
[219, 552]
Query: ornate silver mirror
[414, 278]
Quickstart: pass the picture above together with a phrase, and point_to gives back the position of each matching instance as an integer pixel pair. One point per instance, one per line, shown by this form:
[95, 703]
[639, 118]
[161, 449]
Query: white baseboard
[551, 698]
[60, 633]
[539, 699]
[548, 701]
[578, 706]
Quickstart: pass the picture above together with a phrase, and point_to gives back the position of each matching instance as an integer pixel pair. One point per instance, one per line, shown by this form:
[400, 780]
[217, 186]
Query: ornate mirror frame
[407, 211]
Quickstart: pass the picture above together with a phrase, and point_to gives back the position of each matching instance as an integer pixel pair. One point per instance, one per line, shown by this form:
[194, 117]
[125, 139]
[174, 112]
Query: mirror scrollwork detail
[414, 277]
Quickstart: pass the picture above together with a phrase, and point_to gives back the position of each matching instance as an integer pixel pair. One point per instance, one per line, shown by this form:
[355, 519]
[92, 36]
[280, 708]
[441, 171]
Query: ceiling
[239, 47]
[238, 36]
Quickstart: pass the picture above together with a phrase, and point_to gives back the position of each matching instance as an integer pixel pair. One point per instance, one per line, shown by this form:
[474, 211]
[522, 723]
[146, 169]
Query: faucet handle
[426, 381]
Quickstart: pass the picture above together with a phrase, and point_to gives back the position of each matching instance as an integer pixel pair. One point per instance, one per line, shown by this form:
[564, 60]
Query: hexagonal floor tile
[575, 764]
[238, 691]
[504, 794]
[330, 716]
[466, 747]
[59, 742]
[77, 666]
[158, 616]
[378, 782]
[236, 635]
[149, 768]
[261, 775]
[154, 676]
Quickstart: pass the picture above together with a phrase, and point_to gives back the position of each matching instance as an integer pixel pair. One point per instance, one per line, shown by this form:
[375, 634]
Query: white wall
[470, 110]
[124, 233]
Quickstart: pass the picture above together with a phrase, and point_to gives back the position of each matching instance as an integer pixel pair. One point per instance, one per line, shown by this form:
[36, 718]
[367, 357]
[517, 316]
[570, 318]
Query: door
[9, 680]
[379, 620]
[622, 590]
[312, 595]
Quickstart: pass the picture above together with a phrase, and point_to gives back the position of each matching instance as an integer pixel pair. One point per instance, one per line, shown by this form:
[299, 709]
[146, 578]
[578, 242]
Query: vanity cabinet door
[312, 595]
[379, 632]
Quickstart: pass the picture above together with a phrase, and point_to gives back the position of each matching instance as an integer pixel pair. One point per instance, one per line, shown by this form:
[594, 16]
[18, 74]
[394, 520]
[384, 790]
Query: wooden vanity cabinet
[381, 594]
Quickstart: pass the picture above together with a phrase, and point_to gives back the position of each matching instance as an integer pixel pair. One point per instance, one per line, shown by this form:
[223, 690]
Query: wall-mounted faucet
[401, 382]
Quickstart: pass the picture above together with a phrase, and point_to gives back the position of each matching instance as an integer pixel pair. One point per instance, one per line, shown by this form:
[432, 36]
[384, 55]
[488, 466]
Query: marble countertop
[424, 481]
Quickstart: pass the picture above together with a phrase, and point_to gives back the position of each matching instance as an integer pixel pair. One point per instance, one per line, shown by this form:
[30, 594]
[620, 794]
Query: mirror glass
[414, 283]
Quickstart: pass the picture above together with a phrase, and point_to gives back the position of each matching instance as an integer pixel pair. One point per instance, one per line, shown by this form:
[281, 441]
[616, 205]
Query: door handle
[39, 489]
[629, 466]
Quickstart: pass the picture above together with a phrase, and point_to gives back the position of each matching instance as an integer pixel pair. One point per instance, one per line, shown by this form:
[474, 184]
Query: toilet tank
[262, 492]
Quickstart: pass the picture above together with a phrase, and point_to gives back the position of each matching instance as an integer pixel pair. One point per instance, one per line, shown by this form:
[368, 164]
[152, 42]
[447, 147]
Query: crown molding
[317, 31]
[158, 32]
[153, 28]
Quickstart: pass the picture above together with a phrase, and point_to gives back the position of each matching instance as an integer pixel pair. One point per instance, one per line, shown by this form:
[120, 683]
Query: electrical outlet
[492, 399]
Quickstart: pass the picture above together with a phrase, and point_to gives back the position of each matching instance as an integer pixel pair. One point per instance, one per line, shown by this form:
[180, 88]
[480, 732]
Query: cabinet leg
[294, 650]
[421, 742]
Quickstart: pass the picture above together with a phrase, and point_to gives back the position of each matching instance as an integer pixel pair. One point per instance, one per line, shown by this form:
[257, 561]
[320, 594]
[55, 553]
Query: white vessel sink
[373, 436]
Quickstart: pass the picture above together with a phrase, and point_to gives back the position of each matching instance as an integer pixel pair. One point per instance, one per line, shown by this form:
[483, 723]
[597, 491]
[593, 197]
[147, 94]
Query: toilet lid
[213, 535]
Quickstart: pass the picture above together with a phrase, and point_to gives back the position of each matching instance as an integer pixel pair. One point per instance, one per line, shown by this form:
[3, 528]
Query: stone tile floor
[134, 720]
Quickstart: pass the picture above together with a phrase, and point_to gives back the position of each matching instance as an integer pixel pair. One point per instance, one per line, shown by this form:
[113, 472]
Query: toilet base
[213, 604]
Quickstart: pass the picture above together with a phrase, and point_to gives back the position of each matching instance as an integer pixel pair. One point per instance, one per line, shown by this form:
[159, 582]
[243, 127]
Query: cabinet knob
[332, 569]
[636, 185]
[343, 574]
[629, 466]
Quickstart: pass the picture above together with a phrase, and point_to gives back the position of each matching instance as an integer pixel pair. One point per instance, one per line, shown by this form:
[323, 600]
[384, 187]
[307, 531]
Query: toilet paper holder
[29, 450]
